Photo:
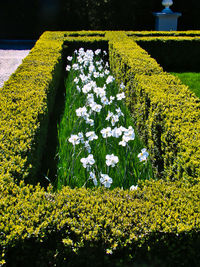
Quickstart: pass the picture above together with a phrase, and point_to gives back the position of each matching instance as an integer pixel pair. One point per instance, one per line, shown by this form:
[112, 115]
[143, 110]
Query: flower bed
[159, 220]
[103, 147]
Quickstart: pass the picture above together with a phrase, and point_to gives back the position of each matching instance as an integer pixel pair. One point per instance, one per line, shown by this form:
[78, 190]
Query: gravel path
[10, 59]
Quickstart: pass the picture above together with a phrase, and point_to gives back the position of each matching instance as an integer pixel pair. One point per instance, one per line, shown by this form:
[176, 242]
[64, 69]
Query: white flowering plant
[98, 145]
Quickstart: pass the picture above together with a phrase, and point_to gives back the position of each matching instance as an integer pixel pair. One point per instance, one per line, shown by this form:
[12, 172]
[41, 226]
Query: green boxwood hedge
[156, 225]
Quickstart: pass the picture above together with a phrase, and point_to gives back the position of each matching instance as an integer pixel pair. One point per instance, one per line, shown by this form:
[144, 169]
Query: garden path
[10, 59]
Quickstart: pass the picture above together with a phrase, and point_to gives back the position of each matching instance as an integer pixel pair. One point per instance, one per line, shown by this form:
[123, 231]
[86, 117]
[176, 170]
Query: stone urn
[167, 4]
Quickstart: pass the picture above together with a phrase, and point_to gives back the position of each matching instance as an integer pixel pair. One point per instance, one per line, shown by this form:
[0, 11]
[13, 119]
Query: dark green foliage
[174, 54]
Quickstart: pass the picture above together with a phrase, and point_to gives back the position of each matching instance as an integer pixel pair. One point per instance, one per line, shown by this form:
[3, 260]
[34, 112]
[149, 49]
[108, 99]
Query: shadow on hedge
[158, 249]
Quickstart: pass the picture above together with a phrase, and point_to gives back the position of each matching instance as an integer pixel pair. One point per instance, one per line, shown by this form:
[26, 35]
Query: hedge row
[78, 226]
[157, 224]
[164, 33]
[167, 113]
[24, 122]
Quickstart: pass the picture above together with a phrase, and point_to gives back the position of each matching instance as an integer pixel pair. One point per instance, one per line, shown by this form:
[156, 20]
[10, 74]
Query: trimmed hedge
[166, 111]
[24, 125]
[163, 33]
[42, 228]
[158, 224]
[167, 116]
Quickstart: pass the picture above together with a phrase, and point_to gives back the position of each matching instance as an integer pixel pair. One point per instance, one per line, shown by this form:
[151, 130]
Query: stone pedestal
[166, 21]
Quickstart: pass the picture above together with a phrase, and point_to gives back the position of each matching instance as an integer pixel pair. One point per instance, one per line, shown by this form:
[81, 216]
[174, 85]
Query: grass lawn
[192, 79]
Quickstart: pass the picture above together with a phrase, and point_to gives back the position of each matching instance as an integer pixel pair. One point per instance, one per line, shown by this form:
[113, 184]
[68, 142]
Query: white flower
[80, 135]
[74, 139]
[100, 68]
[111, 99]
[143, 155]
[76, 80]
[68, 68]
[129, 134]
[91, 68]
[75, 66]
[120, 96]
[91, 136]
[110, 114]
[116, 132]
[114, 119]
[111, 160]
[104, 100]
[90, 98]
[107, 72]
[87, 162]
[81, 112]
[123, 129]
[83, 78]
[96, 74]
[95, 107]
[80, 60]
[110, 79]
[69, 58]
[122, 86]
[93, 177]
[122, 143]
[78, 88]
[86, 88]
[106, 180]
[89, 121]
[98, 63]
[119, 112]
[87, 146]
[97, 52]
[81, 51]
[99, 91]
[133, 187]
[106, 132]
[109, 251]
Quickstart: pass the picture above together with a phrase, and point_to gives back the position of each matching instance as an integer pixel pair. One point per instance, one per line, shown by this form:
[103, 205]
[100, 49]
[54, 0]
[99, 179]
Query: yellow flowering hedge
[167, 113]
[156, 224]
[26, 100]
[194, 33]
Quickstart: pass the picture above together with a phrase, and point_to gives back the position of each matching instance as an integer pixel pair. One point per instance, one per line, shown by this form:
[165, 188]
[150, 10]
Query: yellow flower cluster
[159, 212]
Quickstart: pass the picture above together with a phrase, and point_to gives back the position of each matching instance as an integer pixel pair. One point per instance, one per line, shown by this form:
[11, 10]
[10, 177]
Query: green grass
[191, 79]
[70, 169]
